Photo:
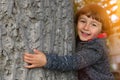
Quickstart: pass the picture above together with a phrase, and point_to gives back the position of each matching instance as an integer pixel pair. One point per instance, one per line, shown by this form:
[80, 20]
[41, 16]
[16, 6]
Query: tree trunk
[46, 25]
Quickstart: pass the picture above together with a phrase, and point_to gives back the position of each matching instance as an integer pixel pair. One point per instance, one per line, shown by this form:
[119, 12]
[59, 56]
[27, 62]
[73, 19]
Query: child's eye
[82, 21]
[94, 24]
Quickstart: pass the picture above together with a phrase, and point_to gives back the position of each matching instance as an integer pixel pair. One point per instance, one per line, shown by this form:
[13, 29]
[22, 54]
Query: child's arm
[80, 60]
[50, 61]
[84, 58]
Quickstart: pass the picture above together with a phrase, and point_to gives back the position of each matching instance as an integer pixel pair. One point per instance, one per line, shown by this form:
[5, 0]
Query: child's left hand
[38, 59]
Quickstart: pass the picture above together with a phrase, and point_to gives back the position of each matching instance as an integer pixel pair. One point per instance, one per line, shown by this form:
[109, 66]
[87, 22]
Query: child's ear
[102, 35]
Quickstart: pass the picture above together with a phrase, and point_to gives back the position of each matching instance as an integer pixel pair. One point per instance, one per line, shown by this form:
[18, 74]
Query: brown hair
[96, 12]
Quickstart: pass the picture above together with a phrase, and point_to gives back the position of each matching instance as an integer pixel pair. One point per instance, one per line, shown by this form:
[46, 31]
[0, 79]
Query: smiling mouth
[85, 34]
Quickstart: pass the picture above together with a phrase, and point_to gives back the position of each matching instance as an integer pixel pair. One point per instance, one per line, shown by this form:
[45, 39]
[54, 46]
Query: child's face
[88, 28]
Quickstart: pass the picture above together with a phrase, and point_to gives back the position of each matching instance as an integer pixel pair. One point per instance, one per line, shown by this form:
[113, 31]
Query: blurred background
[113, 40]
[47, 25]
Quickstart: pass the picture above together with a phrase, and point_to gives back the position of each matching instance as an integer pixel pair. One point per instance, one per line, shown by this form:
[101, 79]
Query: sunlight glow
[114, 18]
[113, 1]
[108, 11]
[114, 8]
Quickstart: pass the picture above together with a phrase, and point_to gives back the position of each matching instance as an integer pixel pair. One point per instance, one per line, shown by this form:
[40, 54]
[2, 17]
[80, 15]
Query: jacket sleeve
[82, 59]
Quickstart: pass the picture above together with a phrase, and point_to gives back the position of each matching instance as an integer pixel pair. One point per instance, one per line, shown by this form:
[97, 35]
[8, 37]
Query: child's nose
[86, 27]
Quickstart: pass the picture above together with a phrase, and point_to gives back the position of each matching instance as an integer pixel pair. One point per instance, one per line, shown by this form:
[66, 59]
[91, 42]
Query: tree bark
[46, 25]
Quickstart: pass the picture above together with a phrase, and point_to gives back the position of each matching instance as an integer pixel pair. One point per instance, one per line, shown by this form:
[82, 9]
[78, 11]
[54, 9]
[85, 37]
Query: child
[90, 59]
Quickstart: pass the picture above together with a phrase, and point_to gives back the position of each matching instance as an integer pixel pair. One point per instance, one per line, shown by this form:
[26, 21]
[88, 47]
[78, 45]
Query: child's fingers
[30, 66]
[28, 55]
[28, 61]
[37, 51]
[27, 58]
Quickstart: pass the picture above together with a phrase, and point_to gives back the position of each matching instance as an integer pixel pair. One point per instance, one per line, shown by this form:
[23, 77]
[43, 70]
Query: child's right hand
[38, 59]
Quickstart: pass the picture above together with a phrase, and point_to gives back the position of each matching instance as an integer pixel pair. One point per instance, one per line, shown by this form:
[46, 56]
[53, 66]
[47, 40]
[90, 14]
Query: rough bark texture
[26, 24]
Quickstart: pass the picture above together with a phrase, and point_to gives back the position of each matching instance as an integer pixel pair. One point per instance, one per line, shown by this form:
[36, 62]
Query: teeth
[85, 33]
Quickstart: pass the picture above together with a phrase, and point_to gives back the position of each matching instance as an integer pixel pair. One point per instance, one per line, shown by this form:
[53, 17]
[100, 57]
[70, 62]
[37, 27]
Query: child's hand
[38, 59]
